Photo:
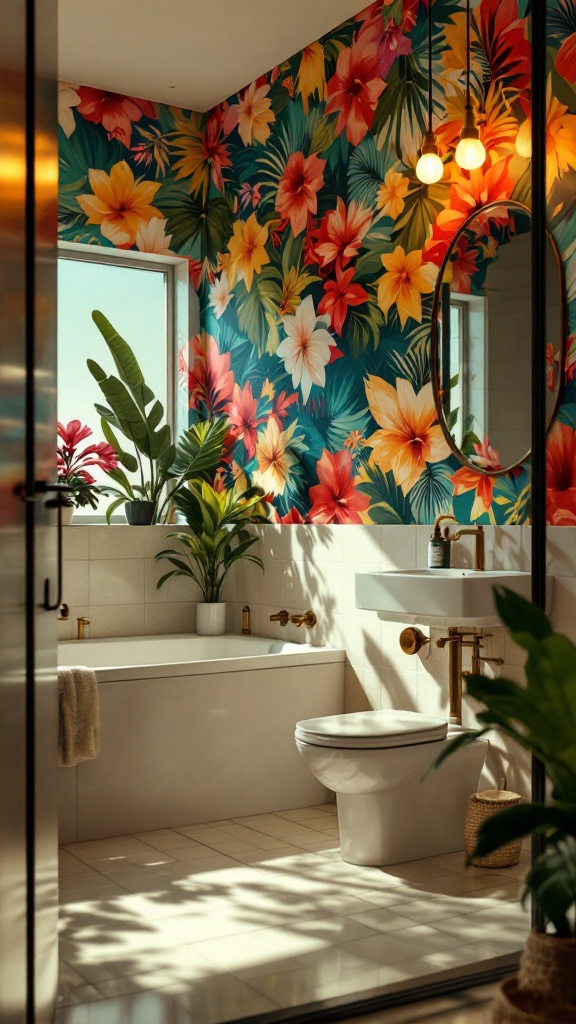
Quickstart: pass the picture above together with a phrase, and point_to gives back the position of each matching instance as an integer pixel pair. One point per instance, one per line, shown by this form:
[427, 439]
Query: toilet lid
[372, 729]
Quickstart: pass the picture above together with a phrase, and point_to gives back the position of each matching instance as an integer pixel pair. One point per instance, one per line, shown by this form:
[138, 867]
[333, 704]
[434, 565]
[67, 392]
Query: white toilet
[389, 809]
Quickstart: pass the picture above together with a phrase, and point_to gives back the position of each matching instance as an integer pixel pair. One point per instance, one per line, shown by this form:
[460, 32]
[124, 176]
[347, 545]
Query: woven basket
[480, 807]
[511, 1006]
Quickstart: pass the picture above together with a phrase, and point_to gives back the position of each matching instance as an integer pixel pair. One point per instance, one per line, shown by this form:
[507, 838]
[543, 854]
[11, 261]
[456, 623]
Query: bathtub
[195, 729]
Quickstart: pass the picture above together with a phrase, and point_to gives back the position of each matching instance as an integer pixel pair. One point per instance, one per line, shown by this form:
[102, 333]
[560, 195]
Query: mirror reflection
[482, 337]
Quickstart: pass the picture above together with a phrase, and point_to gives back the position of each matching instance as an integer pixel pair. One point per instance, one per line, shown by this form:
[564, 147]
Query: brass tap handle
[82, 623]
[307, 619]
[412, 640]
[246, 620]
[282, 617]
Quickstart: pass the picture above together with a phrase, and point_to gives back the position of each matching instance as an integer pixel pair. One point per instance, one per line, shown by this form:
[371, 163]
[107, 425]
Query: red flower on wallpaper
[296, 197]
[282, 404]
[209, 380]
[561, 476]
[242, 415]
[340, 294]
[465, 265]
[340, 234]
[503, 36]
[472, 190]
[292, 518]
[354, 90]
[114, 112]
[335, 499]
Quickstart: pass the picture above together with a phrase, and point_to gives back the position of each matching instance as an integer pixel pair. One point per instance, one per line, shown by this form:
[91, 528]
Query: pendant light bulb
[470, 152]
[429, 168]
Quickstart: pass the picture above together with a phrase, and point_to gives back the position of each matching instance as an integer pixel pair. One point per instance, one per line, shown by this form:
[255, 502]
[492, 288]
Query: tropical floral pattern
[315, 249]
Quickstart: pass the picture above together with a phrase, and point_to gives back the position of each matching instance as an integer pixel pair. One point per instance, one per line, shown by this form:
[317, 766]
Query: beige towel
[78, 716]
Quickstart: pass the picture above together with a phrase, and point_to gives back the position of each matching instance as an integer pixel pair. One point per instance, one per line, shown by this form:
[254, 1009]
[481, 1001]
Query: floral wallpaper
[315, 249]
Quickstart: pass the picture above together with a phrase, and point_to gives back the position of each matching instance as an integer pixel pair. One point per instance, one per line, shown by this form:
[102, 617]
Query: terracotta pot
[211, 618]
[544, 990]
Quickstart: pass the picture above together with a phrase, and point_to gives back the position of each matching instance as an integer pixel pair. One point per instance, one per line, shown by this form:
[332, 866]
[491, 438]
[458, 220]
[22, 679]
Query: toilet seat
[371, 730]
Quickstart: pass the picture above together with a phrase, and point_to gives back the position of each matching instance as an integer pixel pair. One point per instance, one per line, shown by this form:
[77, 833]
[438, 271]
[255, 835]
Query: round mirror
[481, 338]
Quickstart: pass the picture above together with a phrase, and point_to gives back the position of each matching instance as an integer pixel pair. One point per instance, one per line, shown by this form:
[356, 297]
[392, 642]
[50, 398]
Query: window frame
[182, 314]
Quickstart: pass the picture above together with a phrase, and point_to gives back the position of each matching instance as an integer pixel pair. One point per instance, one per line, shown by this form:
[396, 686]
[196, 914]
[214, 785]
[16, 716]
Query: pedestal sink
[460, 597]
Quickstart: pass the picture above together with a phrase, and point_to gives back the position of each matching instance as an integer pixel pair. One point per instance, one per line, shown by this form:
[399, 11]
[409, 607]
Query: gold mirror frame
[435, 344]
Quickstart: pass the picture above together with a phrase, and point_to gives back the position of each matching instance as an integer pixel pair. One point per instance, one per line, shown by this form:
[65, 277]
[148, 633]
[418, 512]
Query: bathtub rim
[310, 655]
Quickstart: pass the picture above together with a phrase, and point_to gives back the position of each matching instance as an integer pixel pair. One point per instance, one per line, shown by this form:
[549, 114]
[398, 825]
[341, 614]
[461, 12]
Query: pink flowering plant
[73, 462]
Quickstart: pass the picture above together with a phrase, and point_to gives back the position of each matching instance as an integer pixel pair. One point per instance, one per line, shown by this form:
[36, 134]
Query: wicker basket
[481, 806]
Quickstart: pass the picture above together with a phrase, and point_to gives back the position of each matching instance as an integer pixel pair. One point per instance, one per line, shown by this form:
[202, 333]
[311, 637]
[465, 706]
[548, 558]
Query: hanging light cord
[467, 53]
[430, 67]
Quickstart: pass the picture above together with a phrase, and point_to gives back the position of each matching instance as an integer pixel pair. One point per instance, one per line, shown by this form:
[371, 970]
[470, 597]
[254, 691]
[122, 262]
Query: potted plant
[219, 521]
[541, 717]
[73, 464]
[134, 411]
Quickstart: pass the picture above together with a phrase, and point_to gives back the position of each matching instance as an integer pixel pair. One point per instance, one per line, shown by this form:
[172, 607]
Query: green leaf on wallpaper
[511, 498]
[421, 207]
[388, 505]
[195, 224]
[363, 328]
[524, 8]
[563, 91]
[402, 105]
[323, 134]
[279, 97]
[87, 147]
[367, 169]
[432, 493]
[257, 309]
[414, 363]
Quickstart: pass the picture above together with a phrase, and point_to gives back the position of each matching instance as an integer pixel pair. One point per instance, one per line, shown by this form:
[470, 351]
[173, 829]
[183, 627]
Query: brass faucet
[478, 533]
[246, 620]
[307, 619]
[456, 640]
[281, 617]
[477, 659]
[82, 623]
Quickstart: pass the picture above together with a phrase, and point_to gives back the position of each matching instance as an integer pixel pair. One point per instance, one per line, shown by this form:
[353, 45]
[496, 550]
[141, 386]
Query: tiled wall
[110, 576]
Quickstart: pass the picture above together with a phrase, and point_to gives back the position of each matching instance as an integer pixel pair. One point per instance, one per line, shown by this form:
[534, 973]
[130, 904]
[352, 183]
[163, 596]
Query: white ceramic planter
[67, 514]
[211, 619]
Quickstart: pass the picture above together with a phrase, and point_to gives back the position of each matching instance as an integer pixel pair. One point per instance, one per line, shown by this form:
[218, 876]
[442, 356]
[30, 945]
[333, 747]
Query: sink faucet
[307, 619]
[478, 533]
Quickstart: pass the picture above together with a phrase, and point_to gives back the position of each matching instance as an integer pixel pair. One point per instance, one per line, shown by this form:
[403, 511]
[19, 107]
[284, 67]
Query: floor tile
[100, 849]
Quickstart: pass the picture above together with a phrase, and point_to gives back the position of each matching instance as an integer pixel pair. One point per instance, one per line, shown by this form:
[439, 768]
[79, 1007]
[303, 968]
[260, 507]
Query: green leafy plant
[134, 411]
[219, 521]
[541, 718]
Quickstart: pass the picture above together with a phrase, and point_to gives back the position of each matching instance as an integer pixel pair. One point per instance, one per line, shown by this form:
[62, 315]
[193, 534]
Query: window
[138, 298]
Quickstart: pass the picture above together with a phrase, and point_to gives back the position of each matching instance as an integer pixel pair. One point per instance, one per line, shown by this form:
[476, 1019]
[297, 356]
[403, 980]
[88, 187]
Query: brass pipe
[455, 678]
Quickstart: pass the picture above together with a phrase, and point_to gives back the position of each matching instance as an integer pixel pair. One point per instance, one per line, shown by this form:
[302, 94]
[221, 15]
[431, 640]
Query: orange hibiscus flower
[335, 498]
[120, 205]
[296, 196]
[248, 248]
[409, 435]
[561, 476]
[405, 281]
[114, 112]
[354, 90]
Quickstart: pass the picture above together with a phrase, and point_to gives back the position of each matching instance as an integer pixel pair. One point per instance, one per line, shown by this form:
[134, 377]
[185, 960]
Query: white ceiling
[191, 53]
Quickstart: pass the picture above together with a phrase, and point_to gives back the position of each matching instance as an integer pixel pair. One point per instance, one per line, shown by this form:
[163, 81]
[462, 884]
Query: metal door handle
[60, 491]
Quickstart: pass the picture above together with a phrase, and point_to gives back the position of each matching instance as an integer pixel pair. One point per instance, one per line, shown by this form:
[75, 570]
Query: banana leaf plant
[219, 521]
[134, 412]
[541, 718]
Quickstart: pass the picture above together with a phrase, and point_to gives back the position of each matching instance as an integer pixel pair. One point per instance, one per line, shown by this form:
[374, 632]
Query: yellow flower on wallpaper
[248, 248]
[409, 435]
[560, 139]
[312, 75]
[405, 281]
[120, 205]
[391, 195]
[255, 115]
[273, 457]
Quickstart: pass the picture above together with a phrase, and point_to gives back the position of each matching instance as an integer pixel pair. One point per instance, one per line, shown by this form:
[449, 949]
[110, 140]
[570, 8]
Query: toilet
[390, 808]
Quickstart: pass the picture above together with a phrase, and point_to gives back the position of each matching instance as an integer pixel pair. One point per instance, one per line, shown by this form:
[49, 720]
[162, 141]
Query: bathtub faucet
[281, 617]
[82, 623]
[307, 619]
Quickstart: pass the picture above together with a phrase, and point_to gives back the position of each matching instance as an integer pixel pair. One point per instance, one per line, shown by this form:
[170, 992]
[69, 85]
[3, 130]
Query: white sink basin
[452, 597]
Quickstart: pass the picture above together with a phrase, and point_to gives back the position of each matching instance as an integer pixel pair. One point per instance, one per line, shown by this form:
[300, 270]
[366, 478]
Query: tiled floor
[234, 918]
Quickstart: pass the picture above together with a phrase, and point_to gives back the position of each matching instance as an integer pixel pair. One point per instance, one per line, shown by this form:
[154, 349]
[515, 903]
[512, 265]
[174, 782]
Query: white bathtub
[196, 729]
